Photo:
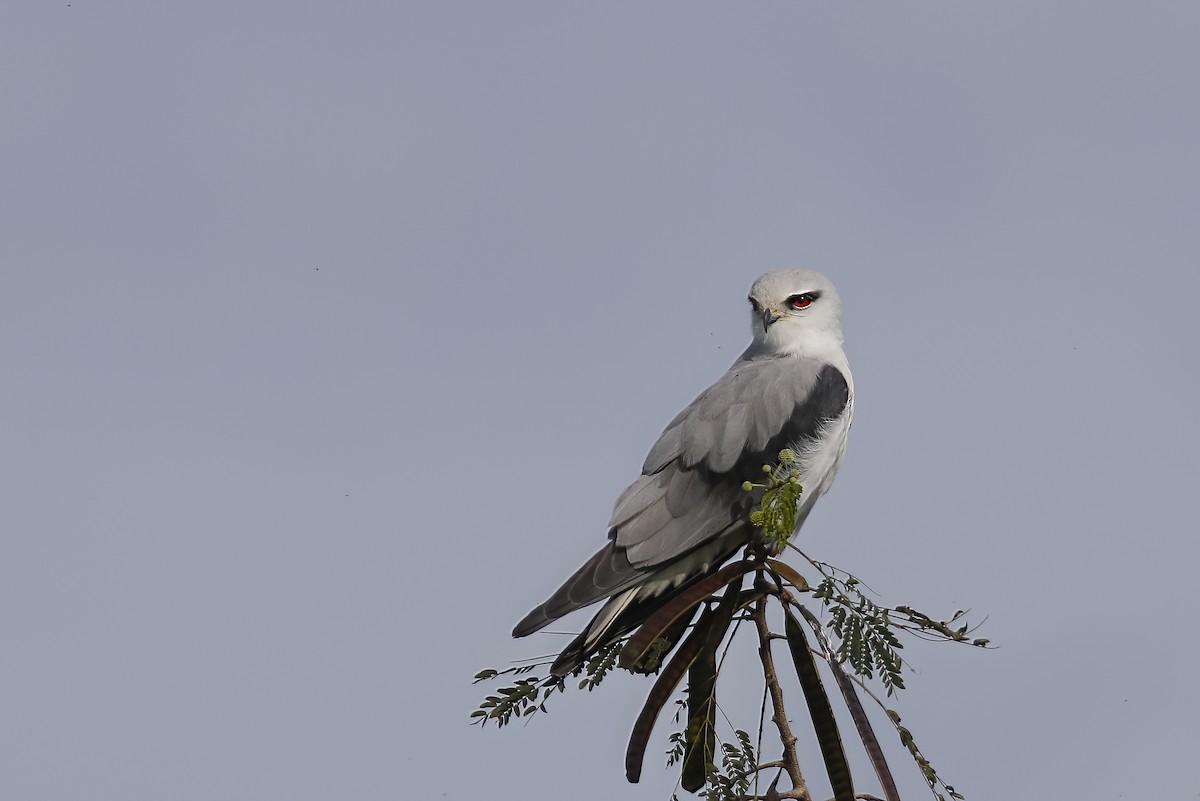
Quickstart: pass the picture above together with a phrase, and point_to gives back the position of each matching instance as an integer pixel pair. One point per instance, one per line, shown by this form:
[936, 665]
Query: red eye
[802, 301]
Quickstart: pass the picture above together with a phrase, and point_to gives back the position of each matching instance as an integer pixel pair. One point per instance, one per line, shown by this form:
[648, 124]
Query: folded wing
[690, 491]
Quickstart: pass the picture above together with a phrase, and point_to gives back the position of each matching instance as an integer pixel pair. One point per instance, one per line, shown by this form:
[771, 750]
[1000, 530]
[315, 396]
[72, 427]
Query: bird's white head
[795, 312]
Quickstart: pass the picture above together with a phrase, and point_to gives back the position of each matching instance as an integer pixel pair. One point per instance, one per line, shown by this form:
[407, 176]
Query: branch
[791, 762]
[861, 644]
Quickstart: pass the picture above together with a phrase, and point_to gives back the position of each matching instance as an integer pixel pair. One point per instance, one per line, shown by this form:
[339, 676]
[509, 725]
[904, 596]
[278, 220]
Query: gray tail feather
[607, 573]
[580, 649]
[606, 628]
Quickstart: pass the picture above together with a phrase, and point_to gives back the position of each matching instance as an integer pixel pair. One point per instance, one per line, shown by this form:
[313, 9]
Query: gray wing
[691, 484]
[690, 491]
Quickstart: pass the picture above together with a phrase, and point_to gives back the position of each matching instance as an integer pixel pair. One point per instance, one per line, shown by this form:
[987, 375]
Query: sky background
[330, 331]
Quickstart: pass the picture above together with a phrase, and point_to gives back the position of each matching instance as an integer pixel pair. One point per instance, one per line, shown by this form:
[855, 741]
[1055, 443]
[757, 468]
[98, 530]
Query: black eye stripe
[803, 301]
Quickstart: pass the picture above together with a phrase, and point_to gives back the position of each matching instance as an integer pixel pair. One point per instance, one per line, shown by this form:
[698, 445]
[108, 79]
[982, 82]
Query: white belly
[819, 462]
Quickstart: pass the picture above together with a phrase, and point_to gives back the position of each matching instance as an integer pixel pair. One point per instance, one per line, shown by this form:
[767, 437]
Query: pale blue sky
[330, 331]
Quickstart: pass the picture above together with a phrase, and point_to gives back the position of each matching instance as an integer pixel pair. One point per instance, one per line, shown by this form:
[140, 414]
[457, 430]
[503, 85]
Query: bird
[688, 512]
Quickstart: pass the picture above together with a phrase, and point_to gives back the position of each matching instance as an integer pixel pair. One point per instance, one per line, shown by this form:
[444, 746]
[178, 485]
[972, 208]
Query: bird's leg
[757, 550]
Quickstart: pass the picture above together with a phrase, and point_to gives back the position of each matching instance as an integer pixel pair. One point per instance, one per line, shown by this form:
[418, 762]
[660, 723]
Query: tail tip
[530, 623]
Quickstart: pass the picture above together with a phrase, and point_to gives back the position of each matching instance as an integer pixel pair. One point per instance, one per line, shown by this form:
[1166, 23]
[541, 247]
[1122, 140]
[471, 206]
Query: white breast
[820, 459]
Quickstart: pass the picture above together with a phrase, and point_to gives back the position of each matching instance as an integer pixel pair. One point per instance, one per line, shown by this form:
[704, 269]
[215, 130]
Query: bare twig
[791, 762]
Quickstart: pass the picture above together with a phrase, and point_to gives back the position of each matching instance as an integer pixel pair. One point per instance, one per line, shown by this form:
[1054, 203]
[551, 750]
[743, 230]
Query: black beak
[768, 317]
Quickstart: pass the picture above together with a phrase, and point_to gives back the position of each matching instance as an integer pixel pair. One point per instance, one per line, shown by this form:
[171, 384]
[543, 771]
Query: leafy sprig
[729, 781]
[523, 698]
[776, 512]
[739, 763]
[528, 696]
[927, 770]
[863, 632]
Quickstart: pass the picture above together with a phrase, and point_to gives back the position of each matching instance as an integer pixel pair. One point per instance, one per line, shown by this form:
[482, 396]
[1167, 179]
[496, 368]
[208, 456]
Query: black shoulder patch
[825, 401]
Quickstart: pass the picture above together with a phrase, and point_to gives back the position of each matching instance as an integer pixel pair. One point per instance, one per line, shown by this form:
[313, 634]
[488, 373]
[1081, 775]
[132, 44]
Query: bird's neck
[822, 344]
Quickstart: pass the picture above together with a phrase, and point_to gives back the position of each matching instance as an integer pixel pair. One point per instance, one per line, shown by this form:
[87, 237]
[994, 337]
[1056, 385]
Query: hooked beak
[769, 316]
